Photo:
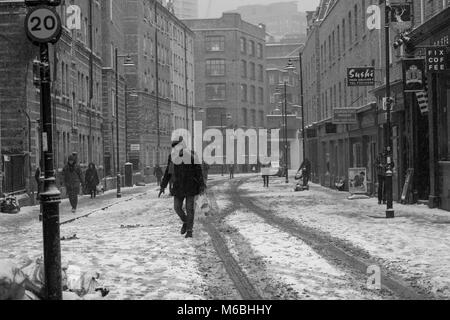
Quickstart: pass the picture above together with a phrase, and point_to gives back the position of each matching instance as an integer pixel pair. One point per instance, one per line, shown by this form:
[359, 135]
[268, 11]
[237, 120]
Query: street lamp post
[228, 117]
[390, 213]
[302, 102]
[286, 134]
[128, 62]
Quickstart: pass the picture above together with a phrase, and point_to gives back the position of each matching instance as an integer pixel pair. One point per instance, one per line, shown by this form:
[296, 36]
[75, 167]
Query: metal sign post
[43, 25]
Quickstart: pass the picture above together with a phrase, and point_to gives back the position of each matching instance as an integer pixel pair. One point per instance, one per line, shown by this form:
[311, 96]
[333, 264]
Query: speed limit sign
[43, 25]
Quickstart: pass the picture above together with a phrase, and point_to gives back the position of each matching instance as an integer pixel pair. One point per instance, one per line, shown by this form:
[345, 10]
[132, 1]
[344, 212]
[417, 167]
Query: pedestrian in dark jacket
[231, 169]
[187, 183]
[91, 179]
[158, 173]
[72, 180]
[305, 169]
[380, 167]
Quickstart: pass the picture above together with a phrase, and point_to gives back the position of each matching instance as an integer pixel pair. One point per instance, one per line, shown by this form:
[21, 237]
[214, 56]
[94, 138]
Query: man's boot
[184, 229]
[189, 234]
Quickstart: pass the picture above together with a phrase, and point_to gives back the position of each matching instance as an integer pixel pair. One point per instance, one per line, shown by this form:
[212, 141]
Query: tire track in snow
[334, 250]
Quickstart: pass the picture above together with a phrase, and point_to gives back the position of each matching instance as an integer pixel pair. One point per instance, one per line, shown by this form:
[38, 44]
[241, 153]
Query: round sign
[43, 25]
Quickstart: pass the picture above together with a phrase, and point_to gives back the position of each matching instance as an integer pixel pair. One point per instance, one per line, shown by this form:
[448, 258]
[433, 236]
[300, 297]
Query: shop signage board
[345, 116]
[401, 16]
[135, 147]
[360, 77]
[437, 59]
[358, 180]
[413, 75]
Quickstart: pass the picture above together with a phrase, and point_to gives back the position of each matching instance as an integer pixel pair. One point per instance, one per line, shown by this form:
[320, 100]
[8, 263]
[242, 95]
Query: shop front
[431, 42]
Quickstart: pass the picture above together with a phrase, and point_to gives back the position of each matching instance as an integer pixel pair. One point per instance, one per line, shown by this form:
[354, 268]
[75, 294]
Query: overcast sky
[219, 6]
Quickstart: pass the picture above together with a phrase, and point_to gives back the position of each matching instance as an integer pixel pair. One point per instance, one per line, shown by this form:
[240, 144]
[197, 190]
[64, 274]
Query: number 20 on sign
[43, 25]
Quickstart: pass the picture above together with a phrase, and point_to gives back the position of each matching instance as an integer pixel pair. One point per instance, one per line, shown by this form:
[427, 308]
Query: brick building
[77, 108]
[162, 50]
[113, 37]
[338, 38]
[230, 81]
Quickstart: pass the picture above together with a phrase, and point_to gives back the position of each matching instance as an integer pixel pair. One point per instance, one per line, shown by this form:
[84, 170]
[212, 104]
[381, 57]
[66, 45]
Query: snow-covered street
[136, 245]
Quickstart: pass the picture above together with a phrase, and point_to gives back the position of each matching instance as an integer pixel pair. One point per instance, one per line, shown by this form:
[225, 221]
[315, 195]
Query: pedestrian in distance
[231, 169]
[91, 179]
[265, 172]
[305, 170]
[158, 173]
[187, 179]
[72, 180]
[380, 167]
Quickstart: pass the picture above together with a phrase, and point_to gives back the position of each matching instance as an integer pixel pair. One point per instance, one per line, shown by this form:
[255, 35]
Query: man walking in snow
[72, 180]
[187, 179]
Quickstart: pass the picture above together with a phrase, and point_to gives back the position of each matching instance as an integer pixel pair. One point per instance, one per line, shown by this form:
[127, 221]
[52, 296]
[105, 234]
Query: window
[215, 43]
[252, 94]
[252, 48]
[216, 92]
[243, 92]
[252, 71]
[243, 46]
[215, 67]
[259, 51]
[243, 69]
[356, 21]
[350, 27]
[260, 95]
[343, 35]
[271, 79]
[253, 115]
[261, 73]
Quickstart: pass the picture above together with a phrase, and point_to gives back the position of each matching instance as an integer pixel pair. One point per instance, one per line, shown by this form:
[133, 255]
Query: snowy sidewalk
[416, 244]
[136, 247]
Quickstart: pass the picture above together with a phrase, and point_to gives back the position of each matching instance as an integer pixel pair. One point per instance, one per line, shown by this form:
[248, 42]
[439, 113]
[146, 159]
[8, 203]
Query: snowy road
[251, 247]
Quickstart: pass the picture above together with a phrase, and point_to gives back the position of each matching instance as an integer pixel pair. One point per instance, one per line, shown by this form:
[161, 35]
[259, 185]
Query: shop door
[14, 168]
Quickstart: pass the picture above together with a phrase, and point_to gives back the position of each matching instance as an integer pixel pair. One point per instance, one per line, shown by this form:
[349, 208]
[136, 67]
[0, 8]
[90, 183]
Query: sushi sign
[360, 76]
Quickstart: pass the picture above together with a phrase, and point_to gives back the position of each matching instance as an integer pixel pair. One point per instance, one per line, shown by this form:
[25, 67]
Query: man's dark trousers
[186, 217]
[73, 193]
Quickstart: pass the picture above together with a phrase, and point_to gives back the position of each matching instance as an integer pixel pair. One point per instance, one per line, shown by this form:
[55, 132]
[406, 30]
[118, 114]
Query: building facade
[76, 95]
[230, 80]
[338, 38]
[162, 50]
[155, 76]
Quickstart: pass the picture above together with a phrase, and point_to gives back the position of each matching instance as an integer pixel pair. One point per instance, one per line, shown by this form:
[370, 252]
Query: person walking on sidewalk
[380, 166]
[265, 172]
[187, 179]
[158, 173]
[72, 180]
[231, 169]
[305, 170]
[92, 180]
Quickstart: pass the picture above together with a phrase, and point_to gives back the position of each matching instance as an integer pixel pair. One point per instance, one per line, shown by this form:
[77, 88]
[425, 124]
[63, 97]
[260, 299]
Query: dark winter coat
[187, 179]
[380, 166]
[91, 178]
[72, 174]
[307, 166]
[157, 172]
